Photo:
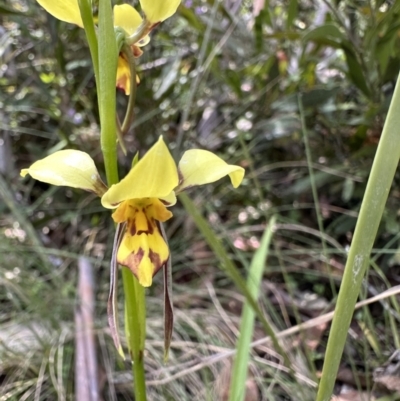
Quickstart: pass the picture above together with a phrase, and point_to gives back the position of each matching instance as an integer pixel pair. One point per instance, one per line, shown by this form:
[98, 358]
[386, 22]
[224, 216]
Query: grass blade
[239, 374]
[379, 183]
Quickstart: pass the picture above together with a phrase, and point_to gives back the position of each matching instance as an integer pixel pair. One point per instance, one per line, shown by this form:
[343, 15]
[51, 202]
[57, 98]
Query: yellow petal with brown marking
[143, 249]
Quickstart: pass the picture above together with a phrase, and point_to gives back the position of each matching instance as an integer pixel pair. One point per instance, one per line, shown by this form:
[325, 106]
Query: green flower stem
[375, 197]
[134, 296]
[240, 367]
[108, 55]
[85, 7]
[136, 329]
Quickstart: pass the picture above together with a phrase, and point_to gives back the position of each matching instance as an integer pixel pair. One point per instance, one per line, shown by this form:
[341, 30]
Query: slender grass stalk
[315, 192]
[379, 183]
[240, 367]
[231, 270]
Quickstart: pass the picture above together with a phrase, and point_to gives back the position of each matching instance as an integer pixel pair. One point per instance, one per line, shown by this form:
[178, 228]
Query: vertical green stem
[108, 59]
[85, 7]
[379, 183]
[136, 329]
[108, 51]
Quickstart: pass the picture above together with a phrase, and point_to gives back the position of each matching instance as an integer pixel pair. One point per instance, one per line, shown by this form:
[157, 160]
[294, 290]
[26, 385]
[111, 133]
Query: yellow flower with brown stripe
[140, 199]
[142, 248]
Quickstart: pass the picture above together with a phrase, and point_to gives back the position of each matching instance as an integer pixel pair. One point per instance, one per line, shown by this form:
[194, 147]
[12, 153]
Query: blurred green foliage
[221, 75]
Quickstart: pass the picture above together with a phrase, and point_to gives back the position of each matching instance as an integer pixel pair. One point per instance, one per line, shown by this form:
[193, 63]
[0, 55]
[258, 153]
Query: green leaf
[240, 367]
[355, 71]
[326, 32]
[291, 13]
[264, 17]
[385, 47]
[288, 35]
[376, 194]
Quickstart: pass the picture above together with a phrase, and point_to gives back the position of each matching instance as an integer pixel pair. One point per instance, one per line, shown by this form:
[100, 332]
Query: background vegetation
[294, 91]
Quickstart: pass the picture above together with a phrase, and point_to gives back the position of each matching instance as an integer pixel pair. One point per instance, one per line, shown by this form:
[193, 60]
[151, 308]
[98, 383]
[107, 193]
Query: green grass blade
[239, 374]
[379, 183]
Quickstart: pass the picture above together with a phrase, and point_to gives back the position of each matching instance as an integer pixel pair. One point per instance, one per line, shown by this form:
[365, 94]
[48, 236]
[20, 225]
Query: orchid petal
[199, 167]
[143, 248]
[159, 10]
[124, 75]
[64, 10]
[154, 176]
[169, 200]
[70, 168]
[136, 252]
[127, 18]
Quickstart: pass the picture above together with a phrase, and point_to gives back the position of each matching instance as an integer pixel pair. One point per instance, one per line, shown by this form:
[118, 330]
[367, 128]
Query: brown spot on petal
[131, 227]
[156, 260]
[133, 261]
[150, 222]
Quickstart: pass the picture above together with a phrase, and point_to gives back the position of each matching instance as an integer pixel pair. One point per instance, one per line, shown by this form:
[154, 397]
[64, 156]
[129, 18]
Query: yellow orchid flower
[125, 17]
[141, 198]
